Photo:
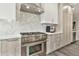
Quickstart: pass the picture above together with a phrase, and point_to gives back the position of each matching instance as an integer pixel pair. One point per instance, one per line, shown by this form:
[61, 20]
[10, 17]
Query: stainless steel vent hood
[31, 8]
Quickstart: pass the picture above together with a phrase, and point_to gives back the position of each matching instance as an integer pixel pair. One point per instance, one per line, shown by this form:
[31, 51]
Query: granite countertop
[18, 35]
[2, 37]
[30, 33]
[49, 33]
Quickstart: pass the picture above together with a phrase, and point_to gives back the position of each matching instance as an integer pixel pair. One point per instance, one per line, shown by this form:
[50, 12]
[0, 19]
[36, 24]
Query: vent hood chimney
[31, 8]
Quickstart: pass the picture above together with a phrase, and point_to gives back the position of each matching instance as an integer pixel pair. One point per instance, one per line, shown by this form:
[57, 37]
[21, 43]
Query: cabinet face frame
[50, 15]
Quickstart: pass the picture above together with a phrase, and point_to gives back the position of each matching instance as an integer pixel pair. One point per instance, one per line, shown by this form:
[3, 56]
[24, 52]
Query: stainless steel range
[33, 43]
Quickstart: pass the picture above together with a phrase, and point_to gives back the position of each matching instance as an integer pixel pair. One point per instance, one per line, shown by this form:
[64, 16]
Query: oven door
[35, 48]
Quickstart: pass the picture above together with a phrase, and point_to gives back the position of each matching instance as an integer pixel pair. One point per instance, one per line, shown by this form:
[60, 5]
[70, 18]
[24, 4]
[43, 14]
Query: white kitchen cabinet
[10, 47]
[8, 11]
[53, 42]
[50, 14]
[67, 24]
[66, 17]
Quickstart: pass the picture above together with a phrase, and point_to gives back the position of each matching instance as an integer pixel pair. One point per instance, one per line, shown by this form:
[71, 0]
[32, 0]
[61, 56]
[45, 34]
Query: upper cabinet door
[50, 14]
[8, 11]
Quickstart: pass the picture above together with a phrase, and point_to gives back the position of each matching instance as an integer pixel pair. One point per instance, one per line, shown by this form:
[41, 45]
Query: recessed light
[27, 7]
[39, 10]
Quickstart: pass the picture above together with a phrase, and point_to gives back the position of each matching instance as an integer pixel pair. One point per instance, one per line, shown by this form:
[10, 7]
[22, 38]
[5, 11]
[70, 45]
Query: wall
[18, 21]
[31, 22]
[7, 18]
[28, 22]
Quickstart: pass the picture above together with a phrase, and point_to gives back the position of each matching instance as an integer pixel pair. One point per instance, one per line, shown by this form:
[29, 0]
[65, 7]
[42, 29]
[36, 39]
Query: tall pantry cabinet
[67, 18]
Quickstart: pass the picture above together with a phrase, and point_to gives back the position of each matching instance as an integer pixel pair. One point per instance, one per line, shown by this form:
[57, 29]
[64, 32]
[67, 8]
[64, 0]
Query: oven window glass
[35, 48]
